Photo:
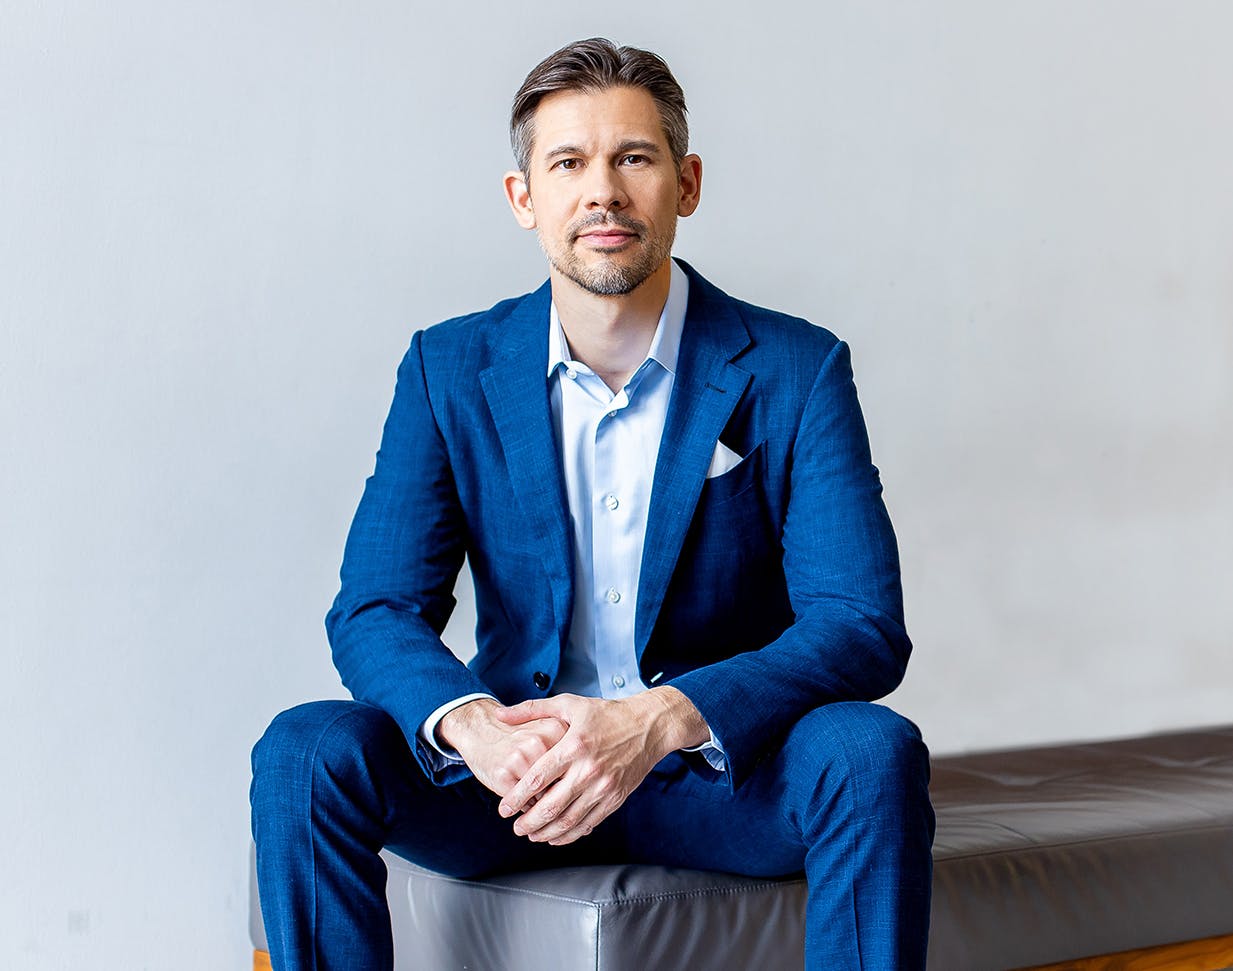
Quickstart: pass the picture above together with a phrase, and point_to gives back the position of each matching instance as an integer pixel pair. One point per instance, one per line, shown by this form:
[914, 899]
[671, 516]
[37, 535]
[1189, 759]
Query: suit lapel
[705, 392]
[516, 390]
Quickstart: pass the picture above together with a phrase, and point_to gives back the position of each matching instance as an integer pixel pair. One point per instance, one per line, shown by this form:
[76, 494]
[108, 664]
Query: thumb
[528, 711]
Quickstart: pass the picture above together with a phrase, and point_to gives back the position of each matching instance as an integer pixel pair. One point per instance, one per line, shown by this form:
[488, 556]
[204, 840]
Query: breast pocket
[738, 480]
[728, 580]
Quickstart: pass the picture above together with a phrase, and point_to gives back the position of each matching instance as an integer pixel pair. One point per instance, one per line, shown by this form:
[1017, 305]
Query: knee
[872, 747]
[878, 739]
[294, 735]
[335, 736]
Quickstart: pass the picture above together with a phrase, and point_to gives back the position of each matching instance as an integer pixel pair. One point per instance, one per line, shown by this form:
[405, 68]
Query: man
[686, 583]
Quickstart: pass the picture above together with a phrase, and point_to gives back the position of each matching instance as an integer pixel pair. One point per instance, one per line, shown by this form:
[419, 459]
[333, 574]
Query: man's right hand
[498, 753]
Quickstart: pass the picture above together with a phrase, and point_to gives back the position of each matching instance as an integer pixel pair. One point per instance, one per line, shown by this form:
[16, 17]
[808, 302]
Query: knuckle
[572, 749]
[534, 747]
[594, 776]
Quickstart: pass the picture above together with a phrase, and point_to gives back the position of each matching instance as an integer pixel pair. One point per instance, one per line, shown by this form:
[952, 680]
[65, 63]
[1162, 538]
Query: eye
[569, 164]
[632, 159]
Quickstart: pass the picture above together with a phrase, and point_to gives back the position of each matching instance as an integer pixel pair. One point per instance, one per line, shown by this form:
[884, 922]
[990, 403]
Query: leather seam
[617, 901]
[1093, 841]
[687, 894]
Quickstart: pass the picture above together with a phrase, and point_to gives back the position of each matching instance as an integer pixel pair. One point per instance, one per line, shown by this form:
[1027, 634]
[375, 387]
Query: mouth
[608, 232]
[608, 238]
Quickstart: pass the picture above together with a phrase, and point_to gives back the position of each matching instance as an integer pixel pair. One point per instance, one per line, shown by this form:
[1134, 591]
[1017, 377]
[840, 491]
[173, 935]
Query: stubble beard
[608, 277]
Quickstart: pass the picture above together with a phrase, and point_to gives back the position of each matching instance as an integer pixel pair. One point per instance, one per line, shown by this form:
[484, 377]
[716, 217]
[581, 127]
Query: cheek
[559, 228]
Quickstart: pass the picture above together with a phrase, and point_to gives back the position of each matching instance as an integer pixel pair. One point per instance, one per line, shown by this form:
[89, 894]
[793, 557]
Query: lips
[608, 237]
[610, 230]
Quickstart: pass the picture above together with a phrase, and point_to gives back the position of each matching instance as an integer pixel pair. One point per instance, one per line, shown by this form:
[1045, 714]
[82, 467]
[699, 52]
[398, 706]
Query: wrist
[676, 722]
[458, 725]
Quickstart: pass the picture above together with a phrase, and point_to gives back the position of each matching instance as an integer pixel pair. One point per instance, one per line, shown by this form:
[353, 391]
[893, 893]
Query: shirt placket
[616, 551]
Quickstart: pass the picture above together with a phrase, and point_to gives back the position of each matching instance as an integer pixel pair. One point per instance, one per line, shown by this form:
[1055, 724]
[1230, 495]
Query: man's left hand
[607, 750]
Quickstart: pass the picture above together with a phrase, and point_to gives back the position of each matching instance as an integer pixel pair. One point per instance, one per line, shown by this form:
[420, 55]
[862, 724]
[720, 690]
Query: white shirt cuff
[713, 752]
[441, 755]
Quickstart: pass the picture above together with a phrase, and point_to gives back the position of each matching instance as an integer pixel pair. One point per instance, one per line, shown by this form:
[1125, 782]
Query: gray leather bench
[1042, 855]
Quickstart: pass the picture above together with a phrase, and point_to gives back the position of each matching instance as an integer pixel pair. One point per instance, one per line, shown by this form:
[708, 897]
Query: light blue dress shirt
[608, 444]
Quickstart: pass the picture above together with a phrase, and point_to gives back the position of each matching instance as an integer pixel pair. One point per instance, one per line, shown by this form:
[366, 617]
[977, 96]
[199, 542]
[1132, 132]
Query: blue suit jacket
[765, 592]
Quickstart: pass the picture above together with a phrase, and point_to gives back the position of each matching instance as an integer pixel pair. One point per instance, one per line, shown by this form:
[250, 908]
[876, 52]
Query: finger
[564, 805]
[567, 821]
[547, 769]
[526, 711]
[599, 812]
[521, 750]
[546, 731]
[563, 707]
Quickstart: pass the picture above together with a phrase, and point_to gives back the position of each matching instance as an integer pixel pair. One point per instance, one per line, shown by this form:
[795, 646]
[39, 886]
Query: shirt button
[541, 680]
[611, 502]
[612, 414]
[613, 595]
[618, 681]
[571, 374]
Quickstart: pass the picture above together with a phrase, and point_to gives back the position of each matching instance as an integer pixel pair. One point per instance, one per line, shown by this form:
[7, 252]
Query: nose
[605, 190]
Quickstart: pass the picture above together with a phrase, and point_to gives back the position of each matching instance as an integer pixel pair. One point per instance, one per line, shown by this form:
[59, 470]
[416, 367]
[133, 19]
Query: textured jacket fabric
[765, 592]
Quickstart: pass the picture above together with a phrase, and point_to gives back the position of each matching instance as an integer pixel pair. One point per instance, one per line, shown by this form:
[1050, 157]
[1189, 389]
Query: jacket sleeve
[403, 553]
[841, 565]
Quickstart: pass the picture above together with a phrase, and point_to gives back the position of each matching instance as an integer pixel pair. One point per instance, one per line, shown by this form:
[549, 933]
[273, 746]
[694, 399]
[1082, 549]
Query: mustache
[619, 220]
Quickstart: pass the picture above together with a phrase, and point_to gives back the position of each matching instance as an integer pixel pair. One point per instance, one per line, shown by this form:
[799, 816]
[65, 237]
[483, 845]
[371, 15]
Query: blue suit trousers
[843, 797]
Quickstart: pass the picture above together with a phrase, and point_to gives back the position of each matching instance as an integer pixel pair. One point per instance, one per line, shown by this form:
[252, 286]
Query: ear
[518, 195]
[690, 185]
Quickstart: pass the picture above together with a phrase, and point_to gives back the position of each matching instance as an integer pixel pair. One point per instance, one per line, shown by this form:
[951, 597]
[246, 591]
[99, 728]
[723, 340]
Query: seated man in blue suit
[686, 582]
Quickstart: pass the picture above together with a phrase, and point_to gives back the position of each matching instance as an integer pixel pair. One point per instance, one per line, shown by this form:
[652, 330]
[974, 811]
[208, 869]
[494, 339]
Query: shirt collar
[665, 345]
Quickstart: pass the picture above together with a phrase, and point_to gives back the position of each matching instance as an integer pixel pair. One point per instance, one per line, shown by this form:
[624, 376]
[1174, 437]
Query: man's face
[602, 190]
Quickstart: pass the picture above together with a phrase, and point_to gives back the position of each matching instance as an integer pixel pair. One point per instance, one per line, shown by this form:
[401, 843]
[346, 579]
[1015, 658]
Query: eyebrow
[629, 145]
[638, 145]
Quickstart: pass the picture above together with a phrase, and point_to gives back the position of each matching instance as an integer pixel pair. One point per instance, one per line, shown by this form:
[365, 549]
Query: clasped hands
[567, 762]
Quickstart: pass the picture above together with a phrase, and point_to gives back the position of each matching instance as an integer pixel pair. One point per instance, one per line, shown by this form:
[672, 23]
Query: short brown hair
[593, 65]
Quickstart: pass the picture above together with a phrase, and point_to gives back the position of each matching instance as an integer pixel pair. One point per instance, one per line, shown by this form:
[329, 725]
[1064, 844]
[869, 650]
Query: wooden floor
[1209, 954]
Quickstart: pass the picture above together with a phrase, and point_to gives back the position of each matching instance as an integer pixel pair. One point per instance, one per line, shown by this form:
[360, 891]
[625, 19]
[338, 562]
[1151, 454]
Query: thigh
[345, 766]
[682, 817]
[454, 829]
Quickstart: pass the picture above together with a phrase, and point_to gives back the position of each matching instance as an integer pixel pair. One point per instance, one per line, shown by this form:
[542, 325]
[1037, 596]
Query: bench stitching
[1094, 840]
[612, 901]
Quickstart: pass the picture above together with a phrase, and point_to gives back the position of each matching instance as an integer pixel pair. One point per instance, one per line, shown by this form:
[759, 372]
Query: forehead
[597, 119]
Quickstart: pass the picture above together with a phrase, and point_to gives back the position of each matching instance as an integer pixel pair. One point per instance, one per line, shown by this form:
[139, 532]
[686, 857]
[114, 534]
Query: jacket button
[541, 680]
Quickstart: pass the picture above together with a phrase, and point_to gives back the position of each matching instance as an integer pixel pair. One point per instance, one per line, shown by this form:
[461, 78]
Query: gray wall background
[219, 224]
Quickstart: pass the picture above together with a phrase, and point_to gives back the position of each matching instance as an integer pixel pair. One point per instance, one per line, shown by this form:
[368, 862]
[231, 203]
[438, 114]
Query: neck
[611, 335]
